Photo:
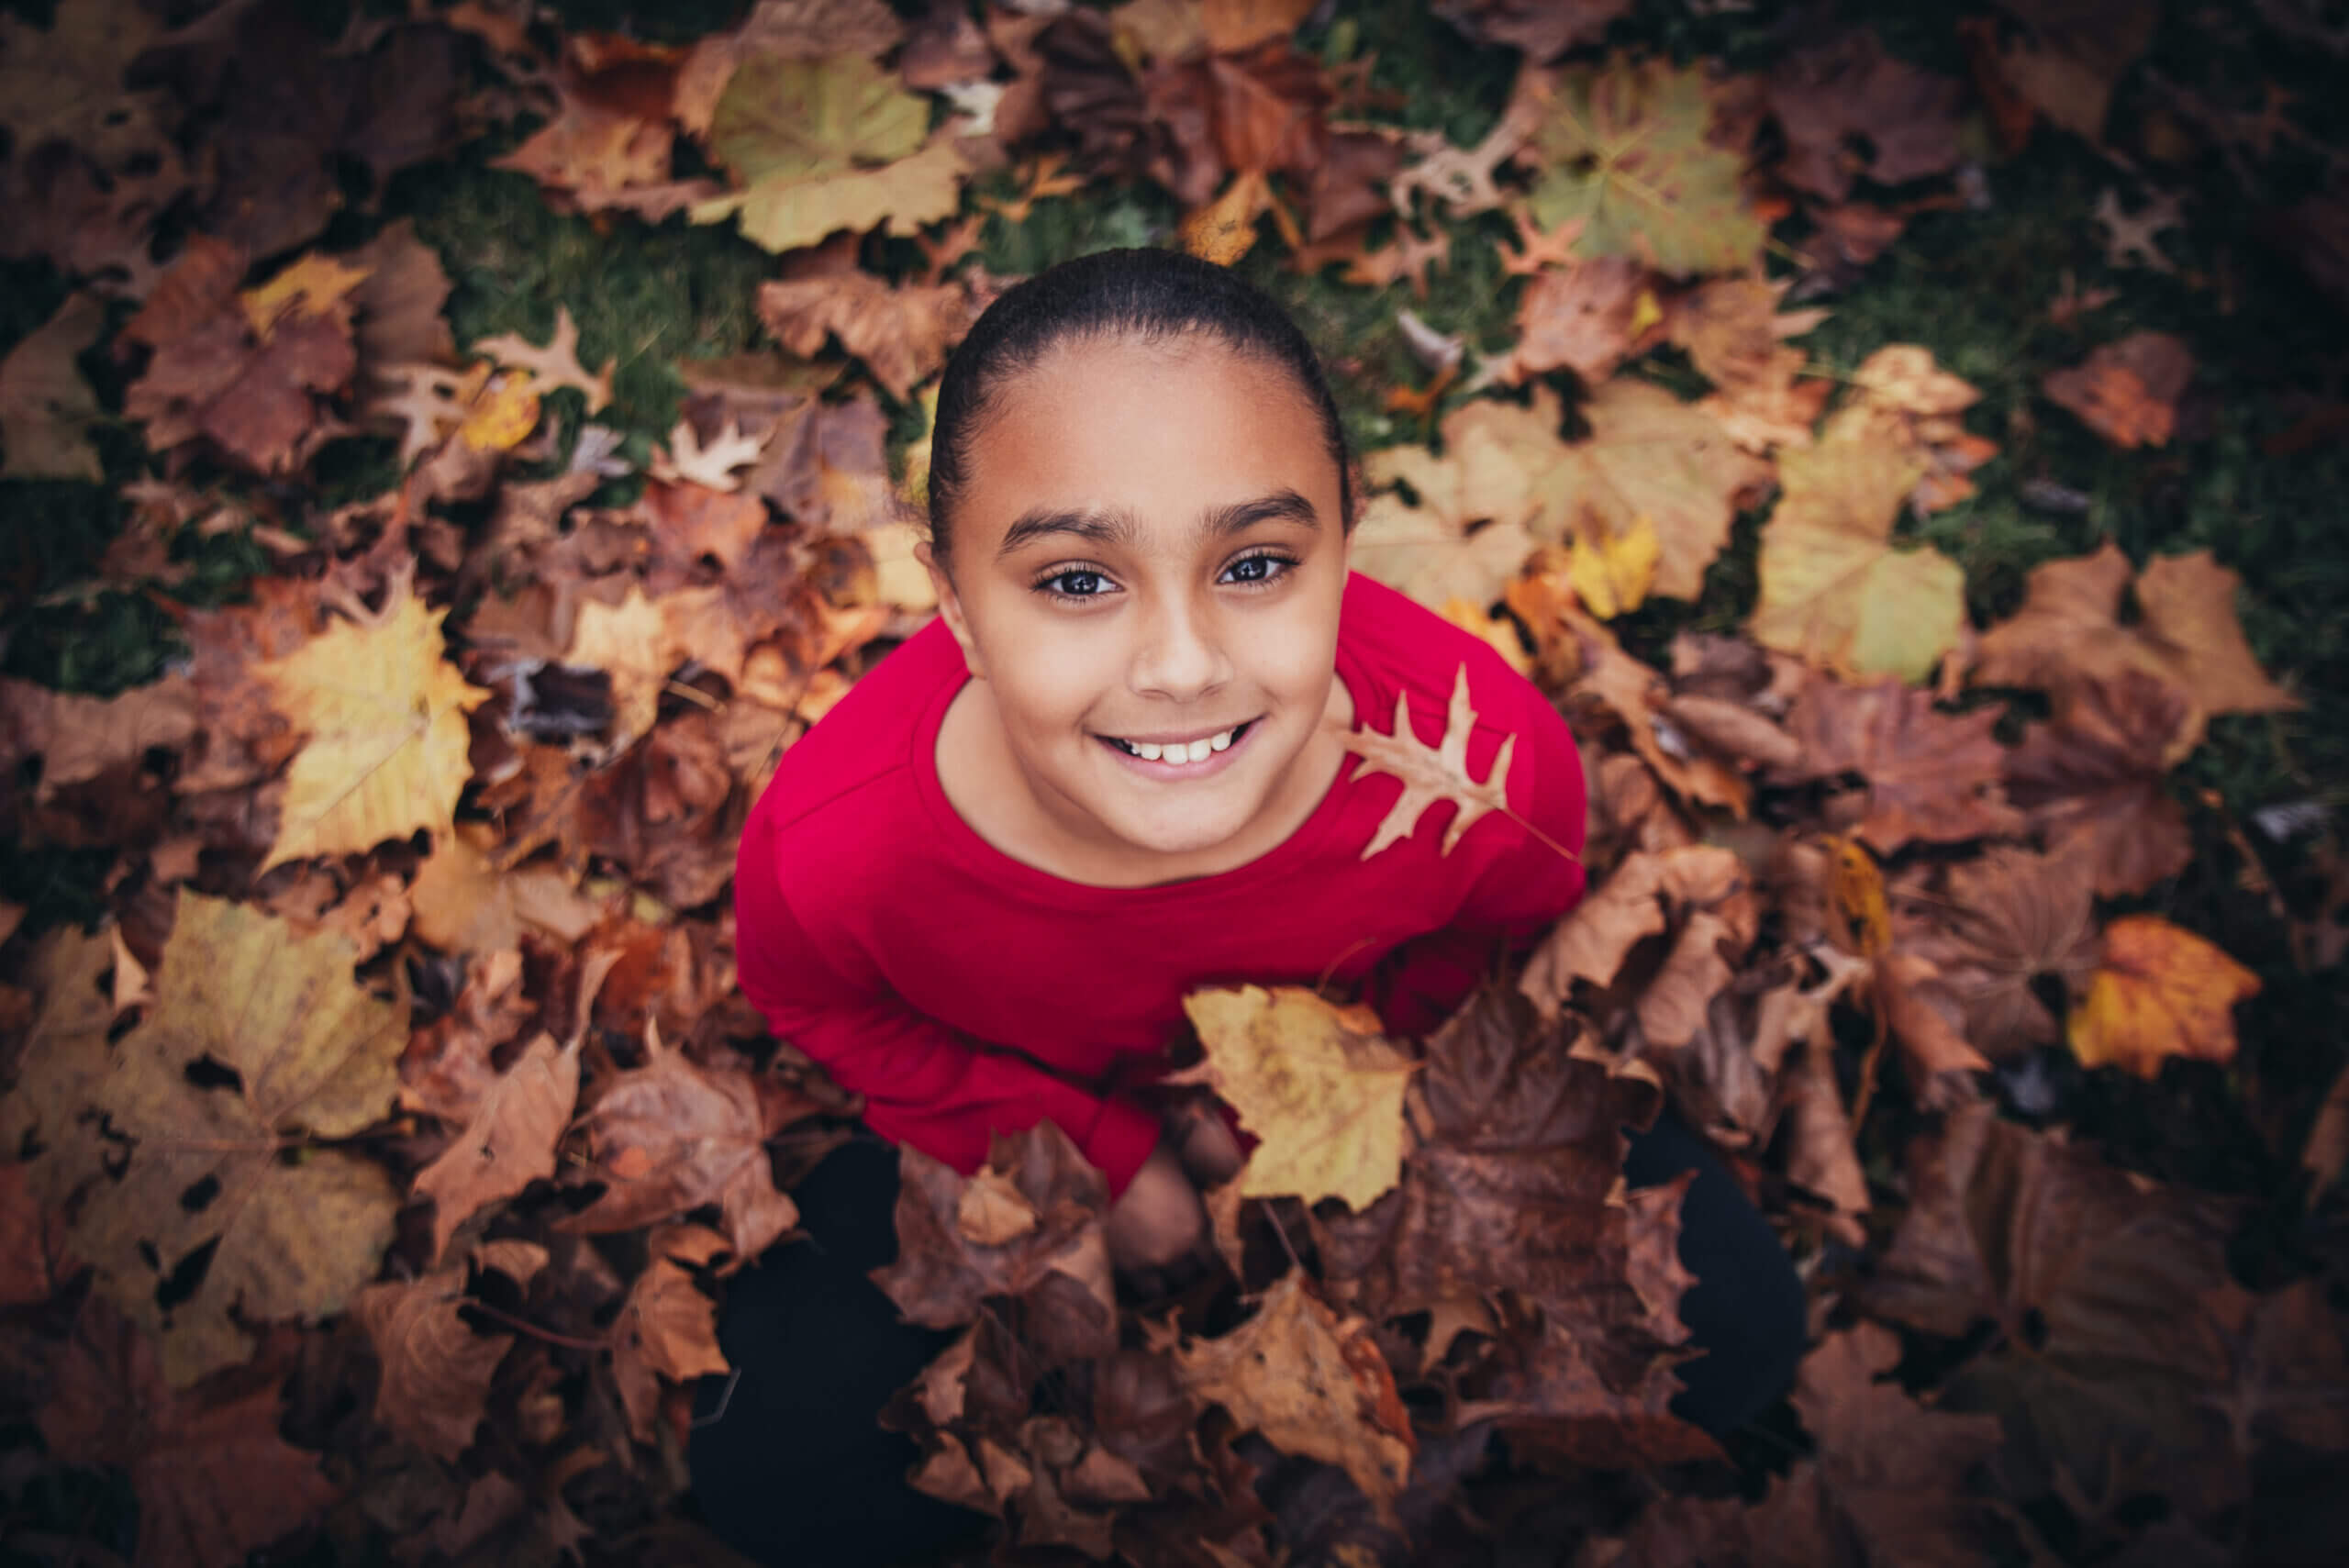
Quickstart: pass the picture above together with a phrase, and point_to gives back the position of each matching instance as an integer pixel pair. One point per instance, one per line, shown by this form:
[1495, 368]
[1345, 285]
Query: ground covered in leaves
[449, 453]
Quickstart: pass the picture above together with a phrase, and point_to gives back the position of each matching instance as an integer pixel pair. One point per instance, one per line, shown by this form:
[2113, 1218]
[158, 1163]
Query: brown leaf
[1544, 29]
[902, 334]
[79, 737]
[435, 1367]
[1581, 317]
[671, 1135]
[1930, 776]
[510, 1141]
[2092, 781]
[1430, 775]
[556, 363]
[213, 1478]
[1701, 889]
[2003, 929]
[445, 1070]
[1058, 1269]
[1312, 1383]
[2127, 392]
[669, 1328]
[1829, 97]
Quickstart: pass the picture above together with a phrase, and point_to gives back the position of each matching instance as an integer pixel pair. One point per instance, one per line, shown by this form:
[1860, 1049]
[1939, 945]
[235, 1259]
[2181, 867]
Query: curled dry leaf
[669, 1327]
[1319, 1086]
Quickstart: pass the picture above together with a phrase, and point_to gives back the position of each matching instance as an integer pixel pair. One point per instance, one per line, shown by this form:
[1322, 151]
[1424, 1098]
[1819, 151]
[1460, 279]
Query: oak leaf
[213, 1479]
[669, 1327]
[435, 1367]
[2127, 392]
[1431, 775]
[672, 1135]
[1833, 588]
[1313, 1383]
[709, 467]
[823, 145]
[389, 751]
[1320, 1087]
[2160, 992]
[257, 1041]
[554, 363]
[1058, 1269]
[1626, 149]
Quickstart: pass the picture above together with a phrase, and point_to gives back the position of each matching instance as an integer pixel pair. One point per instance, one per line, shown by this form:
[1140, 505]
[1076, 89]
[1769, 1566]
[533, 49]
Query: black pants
[790, 1468]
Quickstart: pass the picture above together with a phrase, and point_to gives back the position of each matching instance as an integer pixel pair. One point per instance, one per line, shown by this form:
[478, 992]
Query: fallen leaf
[1699, 894]
[670, 1136]
[436, 1368]
[510, 1141]
[1846, 93]
[711, 467]
[669, 1327]
[2127, 392]
[1624, 147]
[78, 739]
[2160, 992]
[2092, 780]
[46, 408]
[901, 333]
[1313, 1383]
[214, 1480]
[1580, 318]
[1544, 29]
[1431, 775]
[1835, 589]
[556, 364]
[385, 716]
[307, 1055]
[1930, 776]
[2011, 938]
[1319, 1086]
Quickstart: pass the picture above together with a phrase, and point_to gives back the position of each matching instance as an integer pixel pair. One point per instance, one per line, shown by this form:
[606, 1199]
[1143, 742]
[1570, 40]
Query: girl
[1110, 773]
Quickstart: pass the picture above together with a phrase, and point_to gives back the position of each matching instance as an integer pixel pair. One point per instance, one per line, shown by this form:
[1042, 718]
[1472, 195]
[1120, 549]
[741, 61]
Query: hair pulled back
[1149, 295]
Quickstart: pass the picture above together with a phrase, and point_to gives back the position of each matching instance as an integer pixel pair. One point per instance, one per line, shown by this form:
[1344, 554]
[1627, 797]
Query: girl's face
[1149, 548]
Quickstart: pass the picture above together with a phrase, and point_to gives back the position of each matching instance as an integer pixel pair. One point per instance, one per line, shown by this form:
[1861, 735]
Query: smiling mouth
[1181, 755]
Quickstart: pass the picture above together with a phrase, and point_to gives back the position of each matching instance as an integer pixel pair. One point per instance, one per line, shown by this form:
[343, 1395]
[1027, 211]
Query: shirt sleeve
[941, 1089]
[1512, 903]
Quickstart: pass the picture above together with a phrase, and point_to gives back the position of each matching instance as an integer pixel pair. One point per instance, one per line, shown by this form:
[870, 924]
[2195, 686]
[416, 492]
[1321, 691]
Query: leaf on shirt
[1318, 1085]
[1432, 773]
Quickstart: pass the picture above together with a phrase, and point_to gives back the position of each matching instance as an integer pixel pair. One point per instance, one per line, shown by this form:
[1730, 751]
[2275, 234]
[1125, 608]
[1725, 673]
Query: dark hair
[1148, 294]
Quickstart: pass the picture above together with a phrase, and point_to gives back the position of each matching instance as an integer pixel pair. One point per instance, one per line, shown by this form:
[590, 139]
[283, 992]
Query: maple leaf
[1313, 1383]
[1624, 147]
[2000, 931]
[61, 1061]
[555, 364]
[436, 1368]
[2160, 992]
[46, 408]
[1430, 775]
[2069, 631]
[902, 334]
[307, 1053]
[1829, 97]
[213, 1478]
[1930, 776]
[1058, 1269]
[2127, 392]
[669, 1327]
[385, 712]
[671, 1135]
[1319, 1085]
[2092, 781]
[821, 145]
[509, 1142]
[1833, 588]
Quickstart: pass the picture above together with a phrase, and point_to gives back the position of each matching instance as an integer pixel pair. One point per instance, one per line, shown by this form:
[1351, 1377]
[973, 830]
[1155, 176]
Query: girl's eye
[1246, 577]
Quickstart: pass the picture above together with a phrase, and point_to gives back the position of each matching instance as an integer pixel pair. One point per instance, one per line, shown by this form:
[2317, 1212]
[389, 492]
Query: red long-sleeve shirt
[963, 991]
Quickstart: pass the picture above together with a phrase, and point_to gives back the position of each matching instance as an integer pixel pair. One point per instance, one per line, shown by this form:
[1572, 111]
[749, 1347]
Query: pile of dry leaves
[376, 1168]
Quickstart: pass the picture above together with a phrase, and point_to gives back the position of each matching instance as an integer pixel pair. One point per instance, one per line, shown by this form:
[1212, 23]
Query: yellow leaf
[312, 1053]
[2161, 992]
[311, 286]
[1223, 231]
[1430, 774]
[1833, 588]
[1611, 574]
[1312, 1383]
[388, 748]
[1318, 1085]
[504, 415]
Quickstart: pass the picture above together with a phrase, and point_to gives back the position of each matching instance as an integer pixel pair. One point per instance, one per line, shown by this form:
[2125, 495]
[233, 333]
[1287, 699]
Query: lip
[1214, 762]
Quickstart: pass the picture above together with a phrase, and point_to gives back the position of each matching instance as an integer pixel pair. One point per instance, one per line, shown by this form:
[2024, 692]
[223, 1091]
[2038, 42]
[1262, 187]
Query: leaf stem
[523, 1325]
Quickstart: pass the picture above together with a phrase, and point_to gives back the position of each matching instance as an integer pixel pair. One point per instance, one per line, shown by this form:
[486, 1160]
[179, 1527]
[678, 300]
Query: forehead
[1161, 429]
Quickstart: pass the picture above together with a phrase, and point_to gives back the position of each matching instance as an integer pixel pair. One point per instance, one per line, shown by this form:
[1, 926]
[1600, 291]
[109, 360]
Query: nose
[1180, 655]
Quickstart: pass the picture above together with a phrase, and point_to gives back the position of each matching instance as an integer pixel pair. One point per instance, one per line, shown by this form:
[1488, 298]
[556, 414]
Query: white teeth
[1186, 752]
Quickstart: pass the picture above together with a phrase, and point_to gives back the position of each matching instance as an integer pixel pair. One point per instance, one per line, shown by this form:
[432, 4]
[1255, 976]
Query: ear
[950, 605]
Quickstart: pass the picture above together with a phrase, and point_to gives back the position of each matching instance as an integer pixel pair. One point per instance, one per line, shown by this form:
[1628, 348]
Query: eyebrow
[1121, 528]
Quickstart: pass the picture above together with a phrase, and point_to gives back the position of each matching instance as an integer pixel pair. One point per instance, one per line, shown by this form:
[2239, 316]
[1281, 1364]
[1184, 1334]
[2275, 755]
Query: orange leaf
[2162, 991]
